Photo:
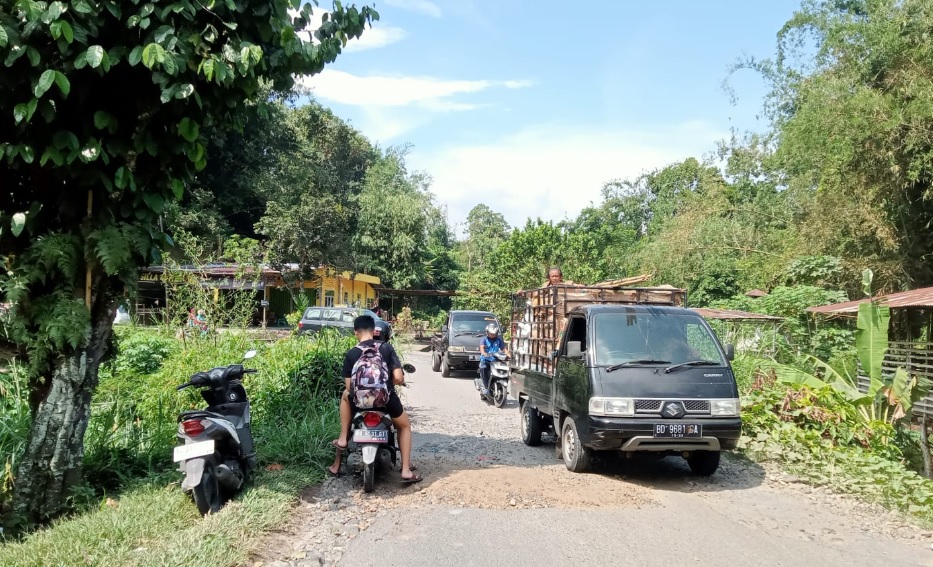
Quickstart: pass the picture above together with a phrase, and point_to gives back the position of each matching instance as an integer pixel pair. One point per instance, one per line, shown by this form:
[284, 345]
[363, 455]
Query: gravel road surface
[487, 498]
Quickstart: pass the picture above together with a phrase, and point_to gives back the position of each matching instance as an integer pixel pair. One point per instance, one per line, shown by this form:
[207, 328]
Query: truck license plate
[474, 357]
[193, 450]
[677, 430]
[371, 436]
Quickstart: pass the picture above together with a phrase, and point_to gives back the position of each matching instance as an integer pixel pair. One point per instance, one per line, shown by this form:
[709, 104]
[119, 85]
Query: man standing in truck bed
[555, 277]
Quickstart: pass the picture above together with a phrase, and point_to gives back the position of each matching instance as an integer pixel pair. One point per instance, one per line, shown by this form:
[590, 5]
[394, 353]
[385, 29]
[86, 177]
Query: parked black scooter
[216, 454]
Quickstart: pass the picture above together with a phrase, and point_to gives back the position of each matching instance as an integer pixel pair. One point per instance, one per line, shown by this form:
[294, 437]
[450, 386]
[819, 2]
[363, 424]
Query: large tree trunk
[51, 463]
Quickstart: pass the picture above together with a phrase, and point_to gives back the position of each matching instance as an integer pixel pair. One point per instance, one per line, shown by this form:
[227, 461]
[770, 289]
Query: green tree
[485, 230]
[394, 211]
[850, 106]
[89, 168]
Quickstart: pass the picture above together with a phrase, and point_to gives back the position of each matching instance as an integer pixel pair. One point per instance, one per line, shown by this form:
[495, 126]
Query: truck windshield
[661, 337]
[471, 323]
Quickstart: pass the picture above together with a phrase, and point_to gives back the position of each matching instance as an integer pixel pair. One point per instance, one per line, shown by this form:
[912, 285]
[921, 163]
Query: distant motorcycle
[216, 452]
[498, 380]
[373, 435]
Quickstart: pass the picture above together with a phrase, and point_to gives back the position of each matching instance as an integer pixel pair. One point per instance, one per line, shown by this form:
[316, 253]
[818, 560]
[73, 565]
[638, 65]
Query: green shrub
[141, 352]
[293, 396]
[820, 436]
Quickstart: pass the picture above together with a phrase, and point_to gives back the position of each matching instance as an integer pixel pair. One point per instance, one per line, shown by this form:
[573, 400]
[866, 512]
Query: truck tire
[577, 458]
[435, 361]
[445, 366]
[531, 425]
[704, 463]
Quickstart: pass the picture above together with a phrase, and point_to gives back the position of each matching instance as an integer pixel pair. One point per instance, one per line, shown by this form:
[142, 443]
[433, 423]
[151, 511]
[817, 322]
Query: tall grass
[14, 426]
[131, 434]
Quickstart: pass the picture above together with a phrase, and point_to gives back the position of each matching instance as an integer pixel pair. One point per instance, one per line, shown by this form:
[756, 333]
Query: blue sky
[530, 106]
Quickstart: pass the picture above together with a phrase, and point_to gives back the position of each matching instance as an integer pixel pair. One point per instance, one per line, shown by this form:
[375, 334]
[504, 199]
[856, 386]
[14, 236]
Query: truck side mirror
[574, 349]
[730, 352]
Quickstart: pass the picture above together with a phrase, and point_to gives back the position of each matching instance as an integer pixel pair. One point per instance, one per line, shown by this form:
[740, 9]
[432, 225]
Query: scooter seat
[195, 414]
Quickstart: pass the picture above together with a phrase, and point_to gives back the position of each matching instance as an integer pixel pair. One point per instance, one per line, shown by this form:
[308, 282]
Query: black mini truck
[456, 347]
[627, 370]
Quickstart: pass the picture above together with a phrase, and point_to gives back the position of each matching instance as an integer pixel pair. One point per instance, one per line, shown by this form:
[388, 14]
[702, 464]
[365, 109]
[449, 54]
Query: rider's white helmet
[492, 329]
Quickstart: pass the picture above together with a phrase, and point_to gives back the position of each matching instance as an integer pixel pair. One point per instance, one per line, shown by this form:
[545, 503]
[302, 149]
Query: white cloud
[423, 6]
[552, 171]
[372, 38]
[382, 90]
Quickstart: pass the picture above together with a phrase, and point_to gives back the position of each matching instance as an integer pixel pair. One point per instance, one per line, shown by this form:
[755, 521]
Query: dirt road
[487, 498]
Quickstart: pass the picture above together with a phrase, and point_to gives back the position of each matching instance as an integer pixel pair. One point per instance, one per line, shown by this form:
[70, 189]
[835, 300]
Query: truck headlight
[724, 408]
[456, 349]
[612, 407]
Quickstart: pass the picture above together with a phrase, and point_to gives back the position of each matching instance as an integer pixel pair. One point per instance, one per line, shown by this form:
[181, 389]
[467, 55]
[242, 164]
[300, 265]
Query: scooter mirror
[249, 354]
[408, 368]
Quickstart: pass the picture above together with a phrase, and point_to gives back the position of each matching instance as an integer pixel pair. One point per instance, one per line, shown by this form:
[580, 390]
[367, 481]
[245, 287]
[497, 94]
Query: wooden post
[265, 297]
[925, 447]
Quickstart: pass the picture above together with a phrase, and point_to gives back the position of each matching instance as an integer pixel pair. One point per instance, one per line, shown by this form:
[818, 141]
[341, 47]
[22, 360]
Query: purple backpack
[369, 382]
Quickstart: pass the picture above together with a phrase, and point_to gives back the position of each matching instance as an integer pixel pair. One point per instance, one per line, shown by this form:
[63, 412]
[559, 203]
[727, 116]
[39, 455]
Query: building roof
[733, 315]
[922, 297]
[413, 292]
[756, 293]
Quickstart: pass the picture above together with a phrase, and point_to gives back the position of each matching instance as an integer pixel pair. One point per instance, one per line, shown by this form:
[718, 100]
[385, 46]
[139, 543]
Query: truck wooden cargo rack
[538, 316]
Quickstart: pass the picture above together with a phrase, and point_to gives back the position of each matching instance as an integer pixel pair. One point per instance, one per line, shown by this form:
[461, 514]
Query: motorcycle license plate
[193, 450]
[371, 436]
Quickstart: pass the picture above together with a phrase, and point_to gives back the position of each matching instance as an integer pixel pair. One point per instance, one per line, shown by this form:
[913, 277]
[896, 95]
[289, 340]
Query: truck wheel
[531, 425]
[435, 362]
[576, 457]
[445, 366]
[704, 463]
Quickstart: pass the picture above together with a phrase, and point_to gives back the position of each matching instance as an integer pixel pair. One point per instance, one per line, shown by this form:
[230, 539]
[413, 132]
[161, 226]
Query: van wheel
[435, 362]
[704, 463]
[577, 458]
[445, 366]
[531, 425]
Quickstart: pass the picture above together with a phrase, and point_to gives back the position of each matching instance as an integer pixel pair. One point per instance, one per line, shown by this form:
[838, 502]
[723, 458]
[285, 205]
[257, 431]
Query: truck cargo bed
[538, 316]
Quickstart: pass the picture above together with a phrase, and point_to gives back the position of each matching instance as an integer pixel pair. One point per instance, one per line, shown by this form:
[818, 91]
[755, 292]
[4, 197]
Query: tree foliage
[103, 111]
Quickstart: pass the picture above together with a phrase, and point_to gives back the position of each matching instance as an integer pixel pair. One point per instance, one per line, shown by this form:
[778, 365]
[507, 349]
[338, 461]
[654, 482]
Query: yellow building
[343, 288]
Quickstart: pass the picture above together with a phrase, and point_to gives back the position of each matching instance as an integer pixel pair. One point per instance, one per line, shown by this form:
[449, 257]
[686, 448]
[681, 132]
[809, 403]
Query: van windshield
[472, 323]
[658, 336]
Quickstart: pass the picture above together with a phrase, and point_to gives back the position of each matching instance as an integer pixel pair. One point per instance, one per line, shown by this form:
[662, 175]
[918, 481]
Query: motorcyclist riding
[491, 344]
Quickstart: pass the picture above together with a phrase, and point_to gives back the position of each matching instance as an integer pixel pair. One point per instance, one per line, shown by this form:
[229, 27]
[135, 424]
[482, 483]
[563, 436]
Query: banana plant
[888, 400]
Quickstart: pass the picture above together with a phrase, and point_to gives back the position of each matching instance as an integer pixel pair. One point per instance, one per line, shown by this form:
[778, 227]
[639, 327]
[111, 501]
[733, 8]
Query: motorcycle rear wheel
[207, 493]
[369, 477]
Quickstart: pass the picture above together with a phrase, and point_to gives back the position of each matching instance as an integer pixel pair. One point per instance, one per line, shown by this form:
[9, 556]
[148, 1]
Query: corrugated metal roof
[733, 315]
[922, 297]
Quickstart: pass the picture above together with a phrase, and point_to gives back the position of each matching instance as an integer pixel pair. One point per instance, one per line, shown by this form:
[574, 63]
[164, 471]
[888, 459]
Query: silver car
[341, 318]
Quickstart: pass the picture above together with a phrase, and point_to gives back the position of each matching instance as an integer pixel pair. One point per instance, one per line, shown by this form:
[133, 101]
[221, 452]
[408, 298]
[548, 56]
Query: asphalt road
[487, 499]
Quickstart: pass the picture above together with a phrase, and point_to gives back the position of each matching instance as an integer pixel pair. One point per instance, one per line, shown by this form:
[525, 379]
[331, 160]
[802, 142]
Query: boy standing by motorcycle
[490, 345]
